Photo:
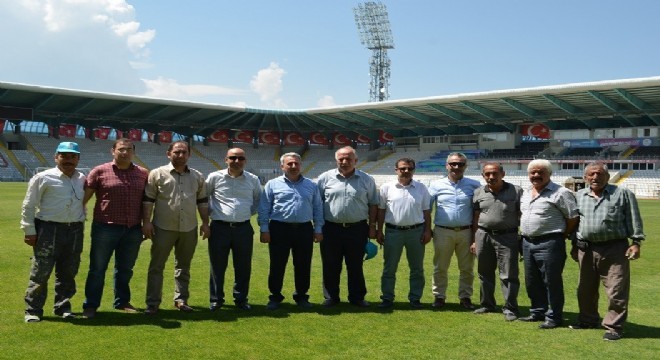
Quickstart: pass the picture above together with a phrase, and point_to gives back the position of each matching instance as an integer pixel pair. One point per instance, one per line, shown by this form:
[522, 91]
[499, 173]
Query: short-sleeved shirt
[453, 201]
[347, 199]
[232, 199]
[498, 211]
[404, 205]
[175, 197]
[547, 213]
[53, 196]
[614, 216]
[118, 193]
[290, 201]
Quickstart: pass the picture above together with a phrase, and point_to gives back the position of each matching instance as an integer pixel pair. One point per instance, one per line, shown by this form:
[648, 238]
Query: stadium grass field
[342, 332]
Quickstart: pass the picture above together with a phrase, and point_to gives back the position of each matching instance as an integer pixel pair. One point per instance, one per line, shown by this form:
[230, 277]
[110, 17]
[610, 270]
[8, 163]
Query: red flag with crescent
[101, 133]
[135, 134]
[385, 137]
[220, 136]
[269, 138]
[2, 125]
[244, 136]
[293, 138]
[539, 131]
[341, 139]
[363, 139]
[67, 130]
[120, 134]
[318, 139]
[165, 137]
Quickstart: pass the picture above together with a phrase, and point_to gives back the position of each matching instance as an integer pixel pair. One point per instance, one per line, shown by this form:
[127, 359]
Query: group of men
[341, 211]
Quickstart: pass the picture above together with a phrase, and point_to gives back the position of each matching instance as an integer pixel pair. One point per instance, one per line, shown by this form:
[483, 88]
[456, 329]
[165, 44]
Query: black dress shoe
[416, 304]
[386, 304]
[215, 306]
[438, 303]
[466, 303]
[304, 304]
[360, 303]
[581, 326]
[549, 324]
[330, 303]
[531, 318]
[243, 306]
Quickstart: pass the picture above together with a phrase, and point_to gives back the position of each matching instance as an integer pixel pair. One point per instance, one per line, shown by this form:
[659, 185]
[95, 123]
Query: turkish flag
[341, 139]
[363, 139]
[318, 139]
[102, 133]
[135, 134]
[67, 130]
[385, 137]
[165, 137]
[220, 136]
[244, 136]
[269, 137]
[2, 125]
[293, 138]
[539, 131]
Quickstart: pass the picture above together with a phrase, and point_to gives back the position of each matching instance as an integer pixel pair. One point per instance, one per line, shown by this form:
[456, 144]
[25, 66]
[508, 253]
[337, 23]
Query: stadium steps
[213, 162]
[377, 164]
[36, 153]
[307, 168]
[14, 160]
[627, 153]
[624, 176]
[137, 160]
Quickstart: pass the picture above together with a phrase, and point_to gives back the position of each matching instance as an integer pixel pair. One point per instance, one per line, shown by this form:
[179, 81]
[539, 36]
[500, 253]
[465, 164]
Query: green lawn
[289, 333]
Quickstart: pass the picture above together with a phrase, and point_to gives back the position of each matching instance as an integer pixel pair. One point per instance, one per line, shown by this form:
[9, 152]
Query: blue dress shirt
[453, 201]
[292, 202]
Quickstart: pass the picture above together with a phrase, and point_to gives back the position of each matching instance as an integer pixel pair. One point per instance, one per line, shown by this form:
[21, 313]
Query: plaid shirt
[614, 216]
[118, 193]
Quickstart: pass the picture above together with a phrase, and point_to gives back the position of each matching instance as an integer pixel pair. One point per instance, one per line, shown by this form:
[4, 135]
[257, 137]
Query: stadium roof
[604, 104]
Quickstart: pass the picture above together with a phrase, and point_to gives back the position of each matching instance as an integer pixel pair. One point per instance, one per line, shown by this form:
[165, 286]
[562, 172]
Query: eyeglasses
[234, 158]
[456, 164]
[406, 168]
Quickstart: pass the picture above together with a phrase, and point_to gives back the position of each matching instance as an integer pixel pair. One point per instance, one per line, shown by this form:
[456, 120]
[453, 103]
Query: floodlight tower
[375, 33]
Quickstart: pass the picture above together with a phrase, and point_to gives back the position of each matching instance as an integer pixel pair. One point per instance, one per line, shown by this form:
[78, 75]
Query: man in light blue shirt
[453, 231]
[288, 205]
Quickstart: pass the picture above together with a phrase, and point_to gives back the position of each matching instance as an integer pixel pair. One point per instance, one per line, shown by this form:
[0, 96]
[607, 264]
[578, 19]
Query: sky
[302, 54]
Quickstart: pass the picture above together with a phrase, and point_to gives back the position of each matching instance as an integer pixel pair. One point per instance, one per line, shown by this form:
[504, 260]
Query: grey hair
[598, 164]
[289, 154]
[542, 163]
[349, 148]
[459, 154]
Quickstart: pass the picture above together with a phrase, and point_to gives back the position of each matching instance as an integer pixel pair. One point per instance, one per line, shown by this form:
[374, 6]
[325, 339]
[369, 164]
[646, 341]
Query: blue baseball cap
[68, 147]
[370, 250]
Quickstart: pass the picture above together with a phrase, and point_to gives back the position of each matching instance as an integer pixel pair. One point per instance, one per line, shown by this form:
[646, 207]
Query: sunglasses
[456, 164]
[406, 168]
[234, 158]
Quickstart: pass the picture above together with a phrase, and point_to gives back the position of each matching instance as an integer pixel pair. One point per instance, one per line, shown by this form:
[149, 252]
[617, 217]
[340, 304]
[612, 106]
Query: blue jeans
[395, 242]
[544, 263]
[125, 243]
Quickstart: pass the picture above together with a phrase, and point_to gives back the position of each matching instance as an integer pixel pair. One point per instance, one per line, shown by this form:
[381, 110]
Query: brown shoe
[89, 313]
[127, 308]
[182, 306]
[466, 303]
[151, 310]
[438, 303]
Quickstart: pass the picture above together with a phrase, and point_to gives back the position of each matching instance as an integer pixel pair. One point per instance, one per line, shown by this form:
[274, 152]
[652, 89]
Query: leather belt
[347, 225]
[496, 232]
[455, 228]
[69, 224]
[544, 237]
[407, 227]
[292, 224]
[230, 223]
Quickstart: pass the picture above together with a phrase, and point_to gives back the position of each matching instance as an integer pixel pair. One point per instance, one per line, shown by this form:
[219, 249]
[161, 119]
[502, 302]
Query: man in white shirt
[52, 218]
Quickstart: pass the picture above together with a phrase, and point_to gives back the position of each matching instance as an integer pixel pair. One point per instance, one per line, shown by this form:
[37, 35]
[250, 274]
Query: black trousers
[237, 239]
[297, 239]
[344, 244]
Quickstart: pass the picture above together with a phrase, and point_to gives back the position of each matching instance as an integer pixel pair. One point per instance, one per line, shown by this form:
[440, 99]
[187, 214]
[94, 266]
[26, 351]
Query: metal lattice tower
[375, 33]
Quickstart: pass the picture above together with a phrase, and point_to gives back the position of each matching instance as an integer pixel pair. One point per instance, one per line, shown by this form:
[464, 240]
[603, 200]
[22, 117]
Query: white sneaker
[68, 315]
[29, 318]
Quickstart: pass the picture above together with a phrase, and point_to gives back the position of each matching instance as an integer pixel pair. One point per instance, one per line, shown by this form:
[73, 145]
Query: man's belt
[406, 227]
[68, 224]
[455, 228]
[346, 224]
[544, 237]
[495, 232]
[230, 223]
[292, 224]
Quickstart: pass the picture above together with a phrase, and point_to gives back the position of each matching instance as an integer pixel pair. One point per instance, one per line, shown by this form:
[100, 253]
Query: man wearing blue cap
[52, 218]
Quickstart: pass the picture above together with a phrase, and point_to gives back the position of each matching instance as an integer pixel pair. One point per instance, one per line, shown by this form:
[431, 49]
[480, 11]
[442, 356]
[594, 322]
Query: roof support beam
[610, 104]
[452, 113]
[639, 104]
[427, 120]
[526, 110]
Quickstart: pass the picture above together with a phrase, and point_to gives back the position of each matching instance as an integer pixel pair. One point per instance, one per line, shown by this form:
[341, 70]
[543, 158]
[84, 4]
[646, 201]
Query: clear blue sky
[305, 54]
